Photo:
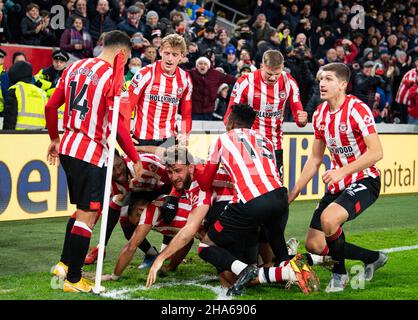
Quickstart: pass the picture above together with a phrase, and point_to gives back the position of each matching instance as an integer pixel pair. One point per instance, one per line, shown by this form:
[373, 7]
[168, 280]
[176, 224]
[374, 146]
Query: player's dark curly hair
[116, 38]
[243, 115]
[177, 155]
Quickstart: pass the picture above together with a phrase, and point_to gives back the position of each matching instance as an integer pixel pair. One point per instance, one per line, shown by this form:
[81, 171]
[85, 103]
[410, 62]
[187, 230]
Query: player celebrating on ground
[345, 125]
[86, 88]
[157, 91]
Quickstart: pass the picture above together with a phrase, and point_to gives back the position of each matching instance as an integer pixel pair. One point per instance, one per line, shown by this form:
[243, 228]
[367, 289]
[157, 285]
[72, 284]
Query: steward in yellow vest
[2, 55]
[24, 107]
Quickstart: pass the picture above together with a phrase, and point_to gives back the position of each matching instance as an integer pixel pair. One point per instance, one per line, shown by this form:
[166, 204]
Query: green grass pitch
[28, 250]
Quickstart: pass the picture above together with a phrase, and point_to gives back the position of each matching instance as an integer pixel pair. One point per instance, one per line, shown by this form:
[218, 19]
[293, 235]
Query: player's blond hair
[175, 41]
[273, 59]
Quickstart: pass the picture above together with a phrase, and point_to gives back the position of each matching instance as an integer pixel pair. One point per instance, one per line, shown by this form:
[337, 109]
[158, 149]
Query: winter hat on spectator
[246, 67]
[222, 87]
[156, 33]
[203, 59]
[20, 71]
[152, 13]
[60, 55]
[368, 64]
[230, 49]
[367, 51]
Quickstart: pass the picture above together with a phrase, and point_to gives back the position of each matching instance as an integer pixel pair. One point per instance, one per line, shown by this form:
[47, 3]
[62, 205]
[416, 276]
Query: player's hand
[139, 170]
[52, 156]
[302, 118]
[332, 176]
[152, 274]
[292, 195]
[109, 277]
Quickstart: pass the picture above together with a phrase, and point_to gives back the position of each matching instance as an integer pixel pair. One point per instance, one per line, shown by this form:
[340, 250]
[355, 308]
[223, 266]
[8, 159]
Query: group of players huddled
[235, 202]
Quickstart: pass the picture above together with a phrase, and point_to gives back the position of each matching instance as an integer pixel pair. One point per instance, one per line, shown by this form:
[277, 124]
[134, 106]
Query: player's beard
[187, 182]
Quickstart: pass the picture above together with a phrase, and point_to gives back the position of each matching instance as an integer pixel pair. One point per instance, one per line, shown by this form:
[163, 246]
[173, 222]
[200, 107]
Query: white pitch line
[122, 294]
[398, 249]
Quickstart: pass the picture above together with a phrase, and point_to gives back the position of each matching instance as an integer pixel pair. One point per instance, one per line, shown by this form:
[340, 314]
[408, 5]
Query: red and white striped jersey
[223, 188]
[402, 96]
[268, 101]
[249, 159]
[343, 131]
[156, 97]
[196, 196]
[151, 216]
[86, 123]
[154, 176]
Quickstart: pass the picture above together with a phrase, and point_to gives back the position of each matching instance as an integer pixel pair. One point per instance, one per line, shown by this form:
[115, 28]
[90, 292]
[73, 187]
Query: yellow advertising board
[30, 188]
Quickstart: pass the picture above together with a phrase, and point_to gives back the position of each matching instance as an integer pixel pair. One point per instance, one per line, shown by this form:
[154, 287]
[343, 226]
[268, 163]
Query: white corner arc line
[398, 249]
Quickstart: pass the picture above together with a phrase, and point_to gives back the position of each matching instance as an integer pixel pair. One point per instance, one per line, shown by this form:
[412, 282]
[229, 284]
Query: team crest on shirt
[342, 127]
[282, 95]
[179, 91]
[367, 120]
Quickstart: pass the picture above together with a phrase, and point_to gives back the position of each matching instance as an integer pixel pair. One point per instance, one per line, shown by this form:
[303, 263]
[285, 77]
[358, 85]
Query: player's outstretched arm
[128, 251]
[310, 169]
[181, 239]
[373, 154]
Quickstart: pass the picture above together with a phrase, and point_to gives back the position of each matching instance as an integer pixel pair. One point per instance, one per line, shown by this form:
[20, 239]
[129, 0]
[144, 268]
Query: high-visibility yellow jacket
[31, 102]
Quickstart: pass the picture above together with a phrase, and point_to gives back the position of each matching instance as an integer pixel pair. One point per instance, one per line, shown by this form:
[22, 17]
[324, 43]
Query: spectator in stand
[206, 81]
[194, 9]
[260, 28]
[366, 82]
[181, 28]
[80, 11]
[76, 40]
[368, 55]
[162, 7]
[97, 50]
[244, 40]
[152, 19]
[139, 45]
[156, 38]
[103, 16]
[285, 37]
[133, 67]
[299, 62]
[208, 41]
[341, 25]
[230, 63]
[189, 61]
[221, 103]
[32, 25]
[346, 51]
[5, 35]
[149, 56]
[274, 43]
[132, 24]
[222, 41]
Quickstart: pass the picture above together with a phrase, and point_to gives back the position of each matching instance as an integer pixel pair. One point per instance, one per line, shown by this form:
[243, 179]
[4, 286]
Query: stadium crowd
[380, 45]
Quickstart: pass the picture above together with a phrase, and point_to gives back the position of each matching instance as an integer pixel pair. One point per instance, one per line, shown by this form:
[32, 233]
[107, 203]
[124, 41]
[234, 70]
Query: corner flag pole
[117, 87]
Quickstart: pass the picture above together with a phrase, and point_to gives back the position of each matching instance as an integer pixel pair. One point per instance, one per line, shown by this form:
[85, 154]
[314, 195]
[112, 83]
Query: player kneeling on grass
[126, 191]
[345, 125]
[259, 198]
[145, 216]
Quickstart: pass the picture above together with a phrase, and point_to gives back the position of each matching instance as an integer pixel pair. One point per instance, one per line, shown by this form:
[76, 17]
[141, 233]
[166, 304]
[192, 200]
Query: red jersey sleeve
[186, 107]
[294, 98]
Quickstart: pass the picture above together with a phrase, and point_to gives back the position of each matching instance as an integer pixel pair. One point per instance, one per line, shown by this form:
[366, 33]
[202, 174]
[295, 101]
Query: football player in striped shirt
[157, 91]
[86, 87]
[345, 125]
